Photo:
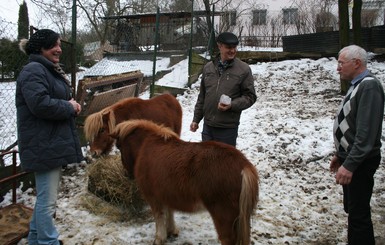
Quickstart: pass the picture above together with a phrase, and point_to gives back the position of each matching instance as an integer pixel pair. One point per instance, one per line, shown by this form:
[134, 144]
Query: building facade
[263, 23]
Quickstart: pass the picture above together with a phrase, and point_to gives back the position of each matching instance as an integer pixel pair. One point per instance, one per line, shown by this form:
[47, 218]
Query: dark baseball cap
[227, 38]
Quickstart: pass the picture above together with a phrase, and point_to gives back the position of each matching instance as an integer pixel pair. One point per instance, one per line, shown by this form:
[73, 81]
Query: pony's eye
[101, 130]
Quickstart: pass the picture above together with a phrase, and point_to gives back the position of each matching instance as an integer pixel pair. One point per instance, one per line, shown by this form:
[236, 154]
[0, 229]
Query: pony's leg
[225, 224]
[160, 216]
[172, 231]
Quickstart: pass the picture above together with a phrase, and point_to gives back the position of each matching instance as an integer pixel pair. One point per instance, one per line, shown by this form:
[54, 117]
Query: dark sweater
[363, 137]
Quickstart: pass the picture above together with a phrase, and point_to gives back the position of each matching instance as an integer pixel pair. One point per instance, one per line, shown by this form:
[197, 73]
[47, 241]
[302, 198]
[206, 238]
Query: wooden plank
[158, 89]
[102, 100]
[255, 56]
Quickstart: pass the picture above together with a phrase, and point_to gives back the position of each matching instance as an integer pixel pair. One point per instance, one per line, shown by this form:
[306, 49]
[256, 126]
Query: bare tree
[58, 12]
[276, 24]
[372, 13]
[343, 12]
[94, 11]
[356, 20]
[369, 17]
[315, 15]
[326, 21]
[266, 32]
[208, 6]
[304, 16]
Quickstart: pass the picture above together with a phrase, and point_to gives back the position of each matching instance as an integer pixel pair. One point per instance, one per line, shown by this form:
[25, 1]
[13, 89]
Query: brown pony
[164, 109]
[187, 176]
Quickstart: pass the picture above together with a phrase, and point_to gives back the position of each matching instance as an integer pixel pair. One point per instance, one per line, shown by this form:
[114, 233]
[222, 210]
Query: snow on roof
[107, 67]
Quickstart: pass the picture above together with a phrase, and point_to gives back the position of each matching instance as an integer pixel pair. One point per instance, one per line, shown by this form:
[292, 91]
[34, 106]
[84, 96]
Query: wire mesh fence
[132, 44]
[124, 57]
[11, 61]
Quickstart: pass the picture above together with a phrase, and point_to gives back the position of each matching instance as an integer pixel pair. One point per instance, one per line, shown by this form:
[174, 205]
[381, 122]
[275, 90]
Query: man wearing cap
[226, 89]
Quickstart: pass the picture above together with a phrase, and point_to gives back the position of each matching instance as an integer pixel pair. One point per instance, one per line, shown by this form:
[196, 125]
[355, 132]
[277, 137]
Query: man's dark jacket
[236, 81]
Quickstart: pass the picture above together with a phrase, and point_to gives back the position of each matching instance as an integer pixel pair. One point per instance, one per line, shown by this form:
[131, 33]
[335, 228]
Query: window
[229, 18]
[373, 4]
[290, 16]
[259, 17]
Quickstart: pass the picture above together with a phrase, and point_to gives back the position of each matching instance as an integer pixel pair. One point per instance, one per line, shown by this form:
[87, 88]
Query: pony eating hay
[164, 109]
[176, 175]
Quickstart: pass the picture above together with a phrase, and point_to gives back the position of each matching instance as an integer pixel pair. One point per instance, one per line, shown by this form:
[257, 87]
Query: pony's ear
[105, 116]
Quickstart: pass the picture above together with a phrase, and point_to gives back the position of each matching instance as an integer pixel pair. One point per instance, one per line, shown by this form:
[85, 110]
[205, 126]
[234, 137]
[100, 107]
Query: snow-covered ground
[287, 134]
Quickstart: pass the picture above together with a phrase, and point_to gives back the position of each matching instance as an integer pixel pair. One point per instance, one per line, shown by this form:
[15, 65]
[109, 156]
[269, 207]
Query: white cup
[226, 100]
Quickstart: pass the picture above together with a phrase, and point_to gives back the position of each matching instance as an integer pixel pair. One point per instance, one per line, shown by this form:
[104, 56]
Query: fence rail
[261, 41]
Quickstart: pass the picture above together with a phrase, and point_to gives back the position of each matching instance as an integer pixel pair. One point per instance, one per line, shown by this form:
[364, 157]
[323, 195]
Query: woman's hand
[76, 106]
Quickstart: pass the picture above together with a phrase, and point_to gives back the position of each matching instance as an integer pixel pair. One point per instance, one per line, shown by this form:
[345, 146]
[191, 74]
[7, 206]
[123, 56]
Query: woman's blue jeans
[42, 229]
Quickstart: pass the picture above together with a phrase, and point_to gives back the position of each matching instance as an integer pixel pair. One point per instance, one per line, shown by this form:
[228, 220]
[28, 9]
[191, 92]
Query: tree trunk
[357, 34]
[343, 12]
[210, 32]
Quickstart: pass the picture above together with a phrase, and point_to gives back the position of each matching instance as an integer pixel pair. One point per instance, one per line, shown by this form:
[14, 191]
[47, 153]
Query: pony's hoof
[173, 233]
[158, 242]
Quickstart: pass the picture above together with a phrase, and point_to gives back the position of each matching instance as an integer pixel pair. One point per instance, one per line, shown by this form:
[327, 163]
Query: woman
[47, 136]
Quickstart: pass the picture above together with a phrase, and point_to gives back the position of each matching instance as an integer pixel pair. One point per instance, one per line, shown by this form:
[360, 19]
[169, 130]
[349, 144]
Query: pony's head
[97, 128]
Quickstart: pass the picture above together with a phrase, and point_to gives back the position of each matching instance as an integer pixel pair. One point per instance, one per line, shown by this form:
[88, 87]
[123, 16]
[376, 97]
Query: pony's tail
[248, 200]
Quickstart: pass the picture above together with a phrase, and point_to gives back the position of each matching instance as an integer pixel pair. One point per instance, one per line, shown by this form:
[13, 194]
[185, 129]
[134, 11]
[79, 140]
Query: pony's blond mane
[94, 122]
[125, 128]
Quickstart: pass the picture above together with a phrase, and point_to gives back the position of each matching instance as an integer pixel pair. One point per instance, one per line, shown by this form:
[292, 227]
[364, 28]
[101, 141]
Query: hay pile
[14, 223]
[108, 179]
